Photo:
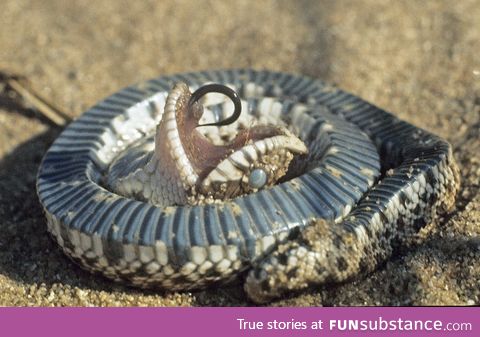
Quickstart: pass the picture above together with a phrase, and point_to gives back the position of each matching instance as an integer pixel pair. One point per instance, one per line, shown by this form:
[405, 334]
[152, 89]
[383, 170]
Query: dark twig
[48, 110]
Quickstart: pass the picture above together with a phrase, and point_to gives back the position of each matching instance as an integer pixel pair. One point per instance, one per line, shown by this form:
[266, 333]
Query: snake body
[370, 182]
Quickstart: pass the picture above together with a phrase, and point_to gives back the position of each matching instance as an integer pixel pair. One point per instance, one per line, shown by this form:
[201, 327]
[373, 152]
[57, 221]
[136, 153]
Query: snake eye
[257, 178]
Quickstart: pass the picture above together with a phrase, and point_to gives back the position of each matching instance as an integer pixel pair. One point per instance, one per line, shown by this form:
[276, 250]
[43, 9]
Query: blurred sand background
[417, 59]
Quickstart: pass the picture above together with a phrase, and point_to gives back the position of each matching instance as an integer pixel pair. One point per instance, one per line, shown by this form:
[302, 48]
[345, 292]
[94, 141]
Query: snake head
[256, 158]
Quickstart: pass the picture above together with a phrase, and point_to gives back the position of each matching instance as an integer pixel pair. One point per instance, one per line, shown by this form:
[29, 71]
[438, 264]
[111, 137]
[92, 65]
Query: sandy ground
[418, 59]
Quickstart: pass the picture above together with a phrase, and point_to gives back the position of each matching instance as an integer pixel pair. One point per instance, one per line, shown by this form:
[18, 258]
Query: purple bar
[130, 322]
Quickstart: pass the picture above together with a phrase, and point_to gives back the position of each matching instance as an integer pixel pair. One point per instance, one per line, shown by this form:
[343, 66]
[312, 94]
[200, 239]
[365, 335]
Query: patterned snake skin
[368, 184]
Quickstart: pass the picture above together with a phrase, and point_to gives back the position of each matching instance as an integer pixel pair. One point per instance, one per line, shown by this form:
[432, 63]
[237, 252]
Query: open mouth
[256, 157]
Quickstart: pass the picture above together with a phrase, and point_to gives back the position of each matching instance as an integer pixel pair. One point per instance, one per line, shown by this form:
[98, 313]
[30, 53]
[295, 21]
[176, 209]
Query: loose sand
[418, 59]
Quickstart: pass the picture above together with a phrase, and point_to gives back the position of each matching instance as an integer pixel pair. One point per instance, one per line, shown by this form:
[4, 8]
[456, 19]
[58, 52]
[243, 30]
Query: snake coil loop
[348, 215]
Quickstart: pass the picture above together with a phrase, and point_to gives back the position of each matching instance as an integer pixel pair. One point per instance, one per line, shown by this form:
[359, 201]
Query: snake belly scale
[370, 181]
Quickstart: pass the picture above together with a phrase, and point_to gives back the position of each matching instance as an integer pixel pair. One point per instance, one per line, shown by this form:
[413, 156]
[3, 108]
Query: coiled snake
[308, 185]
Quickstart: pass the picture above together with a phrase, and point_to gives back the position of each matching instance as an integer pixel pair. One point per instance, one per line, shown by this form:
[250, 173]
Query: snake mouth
[202, 154]
[208, 167]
